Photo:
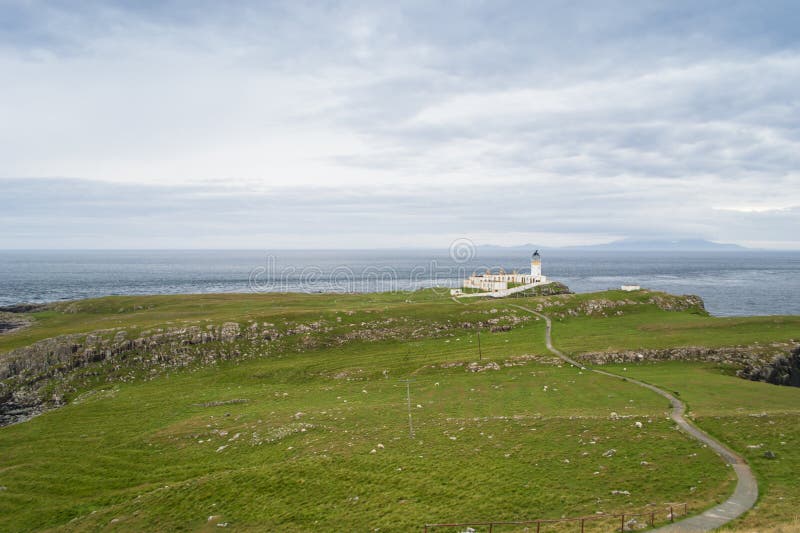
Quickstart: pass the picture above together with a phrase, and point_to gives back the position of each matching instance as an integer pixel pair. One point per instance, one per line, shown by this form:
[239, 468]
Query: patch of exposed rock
[782, 370]
[564, 306]
[20, 406]
[730, 355]
[498, 324]
[217, 403]
[24, 308]
[549, 289]
[46, 373]
[777, 363]
[13, 322]
[477, 367]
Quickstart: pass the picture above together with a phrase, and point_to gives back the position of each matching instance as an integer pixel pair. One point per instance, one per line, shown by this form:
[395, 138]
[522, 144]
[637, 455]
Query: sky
[323, 124]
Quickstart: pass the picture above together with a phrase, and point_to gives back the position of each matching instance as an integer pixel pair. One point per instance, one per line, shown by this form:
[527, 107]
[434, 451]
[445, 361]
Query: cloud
[397, 123]
[754, 208]
[86, 214]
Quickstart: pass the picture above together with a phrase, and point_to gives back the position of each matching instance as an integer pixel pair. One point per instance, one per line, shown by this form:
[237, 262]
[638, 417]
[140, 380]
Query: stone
[769, 454]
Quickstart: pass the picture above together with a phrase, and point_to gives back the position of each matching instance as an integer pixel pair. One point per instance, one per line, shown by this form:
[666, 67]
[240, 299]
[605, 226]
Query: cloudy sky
[365, 124]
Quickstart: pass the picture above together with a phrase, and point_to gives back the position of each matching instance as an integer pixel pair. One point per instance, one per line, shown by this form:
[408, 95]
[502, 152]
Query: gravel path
[746, 493]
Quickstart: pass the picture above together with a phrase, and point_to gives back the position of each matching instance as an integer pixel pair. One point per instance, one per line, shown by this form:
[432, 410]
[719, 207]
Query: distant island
[677, 245]
[684, 245]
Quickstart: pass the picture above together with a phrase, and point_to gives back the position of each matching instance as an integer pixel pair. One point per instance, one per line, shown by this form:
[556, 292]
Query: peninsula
[290, 411]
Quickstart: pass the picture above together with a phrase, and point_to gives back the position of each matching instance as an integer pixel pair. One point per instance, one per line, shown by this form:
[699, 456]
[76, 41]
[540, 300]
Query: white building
[501, 281]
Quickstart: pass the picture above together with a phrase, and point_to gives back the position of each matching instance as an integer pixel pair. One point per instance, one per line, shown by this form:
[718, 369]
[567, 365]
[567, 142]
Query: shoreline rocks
[10, 322]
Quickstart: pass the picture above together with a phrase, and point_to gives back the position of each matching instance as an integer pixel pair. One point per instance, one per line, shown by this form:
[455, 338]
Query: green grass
[137, 313]
[749, 417]
[710, 389]
[656, 329]
[779, 501]
[115, 452]
[522, 442]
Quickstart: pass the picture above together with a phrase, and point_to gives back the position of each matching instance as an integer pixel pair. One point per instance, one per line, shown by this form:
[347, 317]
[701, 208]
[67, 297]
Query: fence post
[671, 514]
[685, 512]
[538, 524]
[622, 523]
[582, 525]
[491, 526]
[652, 518]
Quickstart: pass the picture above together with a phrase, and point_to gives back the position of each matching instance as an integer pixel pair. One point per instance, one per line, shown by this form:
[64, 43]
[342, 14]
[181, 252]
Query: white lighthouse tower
[536, 266]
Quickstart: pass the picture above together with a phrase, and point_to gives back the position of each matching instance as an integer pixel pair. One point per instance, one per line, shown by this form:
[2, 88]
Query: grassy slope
[751, 418]
[115, 453]
[655, 329]
[638, 327]
[135, 313]
[132, 452]
[722, 404]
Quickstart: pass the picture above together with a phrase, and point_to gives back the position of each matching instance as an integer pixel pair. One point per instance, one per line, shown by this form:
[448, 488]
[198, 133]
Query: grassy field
[318, 438]
[656, 329]
[751, 418]
[135, 313]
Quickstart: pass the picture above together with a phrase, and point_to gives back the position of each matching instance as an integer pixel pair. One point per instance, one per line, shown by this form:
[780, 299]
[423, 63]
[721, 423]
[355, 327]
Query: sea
[732, 283]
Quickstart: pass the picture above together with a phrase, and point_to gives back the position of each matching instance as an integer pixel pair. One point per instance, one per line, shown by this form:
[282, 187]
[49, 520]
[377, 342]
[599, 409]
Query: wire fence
[621, 522]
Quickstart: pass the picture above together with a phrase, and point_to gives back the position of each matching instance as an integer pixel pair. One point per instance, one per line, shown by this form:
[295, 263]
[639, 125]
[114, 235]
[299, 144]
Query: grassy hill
[287, 412]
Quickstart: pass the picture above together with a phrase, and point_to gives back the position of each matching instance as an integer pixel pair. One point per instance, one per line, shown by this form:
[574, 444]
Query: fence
[582, 521]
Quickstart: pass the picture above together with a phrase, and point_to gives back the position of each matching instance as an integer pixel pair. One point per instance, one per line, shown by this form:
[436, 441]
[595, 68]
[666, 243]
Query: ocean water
[731, 283]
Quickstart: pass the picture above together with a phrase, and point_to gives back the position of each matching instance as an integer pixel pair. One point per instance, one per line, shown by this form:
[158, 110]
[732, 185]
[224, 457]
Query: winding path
[746, 493]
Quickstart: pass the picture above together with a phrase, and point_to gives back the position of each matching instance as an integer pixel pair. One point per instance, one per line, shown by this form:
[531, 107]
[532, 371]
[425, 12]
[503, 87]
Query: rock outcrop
[24, 308]
[566, 306]
[12, 322]
[549, 289]
[757, 363]
[783, 370]
[47, 373]
[727, 355]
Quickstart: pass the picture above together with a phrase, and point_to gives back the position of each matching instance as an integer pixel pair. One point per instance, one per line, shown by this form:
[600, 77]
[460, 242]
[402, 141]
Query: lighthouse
[498, 284]
[536, 265]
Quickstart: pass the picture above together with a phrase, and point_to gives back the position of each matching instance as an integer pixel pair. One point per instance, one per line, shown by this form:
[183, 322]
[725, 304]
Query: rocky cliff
[777, 363]
[727, 355]
[550, 289]
[12, 322]
[782, 370]
[47, 373]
